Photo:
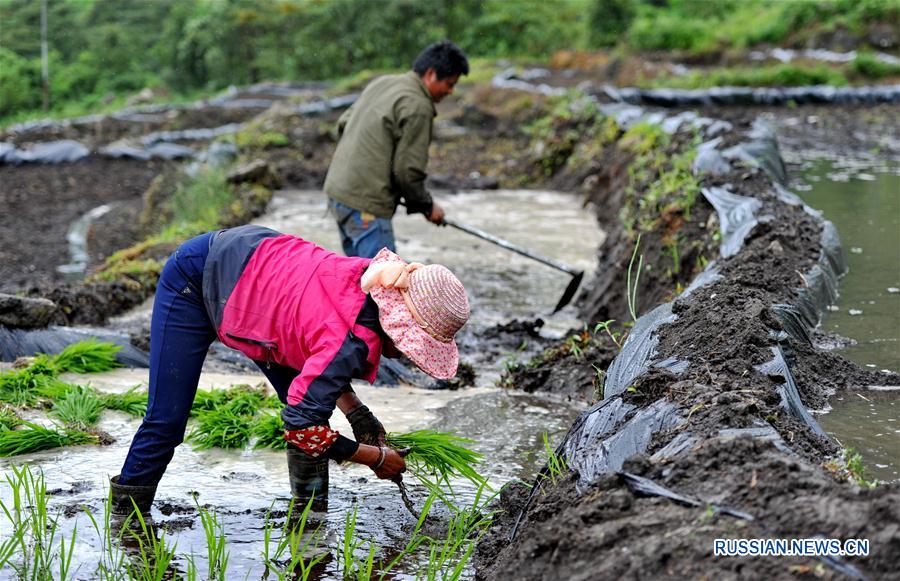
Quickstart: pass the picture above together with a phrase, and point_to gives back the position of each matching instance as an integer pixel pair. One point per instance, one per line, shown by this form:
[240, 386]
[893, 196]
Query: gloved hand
[366, 427]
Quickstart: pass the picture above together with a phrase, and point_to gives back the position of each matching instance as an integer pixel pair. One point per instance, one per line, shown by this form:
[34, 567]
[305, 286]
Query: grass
[34, 438]
[216, 543]
[80, 408]
[197, 205]
[780, 75]
[435, 457]
[632, 290]
[90, 356]
[288, 559]
[220, 428]
[269, 432]
[35, 549]
[131, 402]
[556, 465]
[352, 566]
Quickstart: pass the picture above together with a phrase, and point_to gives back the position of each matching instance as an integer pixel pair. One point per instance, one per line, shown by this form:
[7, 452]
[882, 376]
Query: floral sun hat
[421, 308]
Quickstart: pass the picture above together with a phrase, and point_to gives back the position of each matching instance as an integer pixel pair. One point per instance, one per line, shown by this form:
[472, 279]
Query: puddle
[864, 205]
[242, 485]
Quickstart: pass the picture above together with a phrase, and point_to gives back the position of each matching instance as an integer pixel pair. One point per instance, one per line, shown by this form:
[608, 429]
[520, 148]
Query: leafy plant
[354, 567]
[31, 549]
[9, 419]
[34, 438]
[440, 455]
[220, 428]
[269, 432]
[89, 356]
[556, 465]
[79, 408]
[616, 336]
[632, 290]
[131, 402]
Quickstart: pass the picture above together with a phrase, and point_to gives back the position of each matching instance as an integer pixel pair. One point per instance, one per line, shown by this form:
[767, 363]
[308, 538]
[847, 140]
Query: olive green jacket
[381, 156]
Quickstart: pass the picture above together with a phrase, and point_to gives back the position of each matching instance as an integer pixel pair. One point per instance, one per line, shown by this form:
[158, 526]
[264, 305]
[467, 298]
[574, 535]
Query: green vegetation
[435, 457]
[866, 65]
[131, 402]
[352, 566]
[100, 51]
[632, 288]
[555, 466]
[33, 438]
[269, 432]
[784, 75]
[79, 408]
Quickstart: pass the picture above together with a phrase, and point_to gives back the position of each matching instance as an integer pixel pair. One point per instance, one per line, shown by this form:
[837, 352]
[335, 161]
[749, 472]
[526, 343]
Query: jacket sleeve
[410, 161]
[327, 373]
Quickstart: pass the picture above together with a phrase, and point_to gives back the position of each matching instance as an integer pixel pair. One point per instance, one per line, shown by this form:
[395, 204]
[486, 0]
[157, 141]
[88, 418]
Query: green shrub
[608, 21]
[866, 65]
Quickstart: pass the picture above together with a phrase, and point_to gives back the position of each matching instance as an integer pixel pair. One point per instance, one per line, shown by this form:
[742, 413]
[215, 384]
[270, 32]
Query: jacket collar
[418, 80]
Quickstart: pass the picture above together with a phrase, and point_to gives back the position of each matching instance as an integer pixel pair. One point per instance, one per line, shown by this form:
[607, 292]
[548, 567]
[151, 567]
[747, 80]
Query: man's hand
[366, 427]
[437, 214]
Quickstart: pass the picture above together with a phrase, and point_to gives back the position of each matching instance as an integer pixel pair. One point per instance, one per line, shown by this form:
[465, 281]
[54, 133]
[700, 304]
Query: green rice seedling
[269, 432]
[220, 428]
[154, 558]
[207, 400]
[79, 408]
[448, 557]
[112, 557]
[631, 291]
[272, 402]
[131, 402]
[556, 464]
[216, 552]
[90, 356]
[415, 541]
[296, 541]
[245, 403]
[9, 419]
[440, 454]
[33, 542]
[34, 438]
[353, 567]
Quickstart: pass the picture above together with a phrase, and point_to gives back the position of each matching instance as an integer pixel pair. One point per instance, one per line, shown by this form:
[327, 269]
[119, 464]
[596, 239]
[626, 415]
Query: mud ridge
[707, 399]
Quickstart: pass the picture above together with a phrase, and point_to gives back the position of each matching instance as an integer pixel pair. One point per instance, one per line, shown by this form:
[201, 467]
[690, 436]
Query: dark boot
[309, 479]
[123, 494]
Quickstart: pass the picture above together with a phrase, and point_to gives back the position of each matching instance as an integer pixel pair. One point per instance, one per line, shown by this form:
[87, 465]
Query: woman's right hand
[393, 465]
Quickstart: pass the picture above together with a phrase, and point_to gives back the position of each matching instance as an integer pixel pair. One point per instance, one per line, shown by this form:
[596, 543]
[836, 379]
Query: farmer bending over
[382, 153]
[312, 321]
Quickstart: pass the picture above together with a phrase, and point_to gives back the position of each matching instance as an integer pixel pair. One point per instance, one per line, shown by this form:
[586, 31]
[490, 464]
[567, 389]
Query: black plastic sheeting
[760, 96]
[647, 487]
[637, 352]
[16, 343]
[790, 396]
[737, 217]
[62, 151]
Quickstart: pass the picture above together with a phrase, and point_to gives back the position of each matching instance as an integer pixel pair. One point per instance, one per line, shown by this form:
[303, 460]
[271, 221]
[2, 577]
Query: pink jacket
[281, 299]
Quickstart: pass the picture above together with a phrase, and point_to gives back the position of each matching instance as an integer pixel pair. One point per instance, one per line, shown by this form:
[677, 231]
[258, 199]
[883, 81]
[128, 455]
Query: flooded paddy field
[510, 292]
[863, 200]
[243, 486]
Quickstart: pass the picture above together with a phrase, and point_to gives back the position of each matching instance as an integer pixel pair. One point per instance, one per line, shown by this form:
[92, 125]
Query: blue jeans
[359, 237]
[180, 336]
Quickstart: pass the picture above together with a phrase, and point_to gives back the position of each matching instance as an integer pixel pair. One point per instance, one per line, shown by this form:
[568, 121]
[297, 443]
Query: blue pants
[363, 238]
[180, 336]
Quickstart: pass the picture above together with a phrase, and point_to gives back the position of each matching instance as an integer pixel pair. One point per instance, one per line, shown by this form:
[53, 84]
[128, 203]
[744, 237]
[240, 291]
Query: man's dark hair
[444, 57]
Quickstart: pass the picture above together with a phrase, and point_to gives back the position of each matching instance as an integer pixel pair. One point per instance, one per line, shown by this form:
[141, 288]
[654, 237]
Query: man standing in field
[382, 153]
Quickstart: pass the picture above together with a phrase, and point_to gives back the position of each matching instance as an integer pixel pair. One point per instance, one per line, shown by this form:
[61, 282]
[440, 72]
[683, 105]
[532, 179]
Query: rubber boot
[123, 494]
[309, 479]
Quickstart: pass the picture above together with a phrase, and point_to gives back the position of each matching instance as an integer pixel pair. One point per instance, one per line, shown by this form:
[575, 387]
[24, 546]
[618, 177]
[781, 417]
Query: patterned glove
[366, 427]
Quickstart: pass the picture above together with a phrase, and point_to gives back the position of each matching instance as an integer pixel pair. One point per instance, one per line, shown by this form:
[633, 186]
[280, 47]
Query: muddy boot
[309, 479]
[122, 496]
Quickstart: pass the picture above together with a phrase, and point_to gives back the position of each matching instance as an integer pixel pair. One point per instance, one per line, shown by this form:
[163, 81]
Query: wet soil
[39, 202]
[609, 532]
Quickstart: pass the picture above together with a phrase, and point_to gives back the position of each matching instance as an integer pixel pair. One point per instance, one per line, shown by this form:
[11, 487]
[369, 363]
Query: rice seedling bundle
[131, 402]
[80, 407]
[220, 428]
[90, 356]
[439, 454]
[269, 432]
[34, 438]
[9, 419]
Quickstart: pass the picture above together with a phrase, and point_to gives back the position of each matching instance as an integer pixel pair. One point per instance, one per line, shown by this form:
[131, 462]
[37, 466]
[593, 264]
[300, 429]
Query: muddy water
[242, 485]
[864, 204]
